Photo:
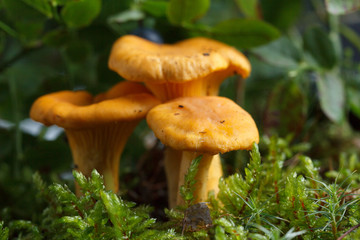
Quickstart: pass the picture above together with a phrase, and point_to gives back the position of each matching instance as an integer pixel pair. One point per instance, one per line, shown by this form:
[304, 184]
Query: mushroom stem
[201, 178]
[215, 173]
[172, 161]
[100, 148]
[206, 86]
[172, 167]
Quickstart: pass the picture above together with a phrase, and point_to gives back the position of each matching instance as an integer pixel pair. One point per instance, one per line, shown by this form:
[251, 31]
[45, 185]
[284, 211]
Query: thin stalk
[18, 136]
[334, 23]
[54, 11]
[8, 30]
[349, 231]
[334, 228]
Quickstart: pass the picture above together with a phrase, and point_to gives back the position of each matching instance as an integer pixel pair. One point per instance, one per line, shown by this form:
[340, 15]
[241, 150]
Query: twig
[349, 231]
[8, 30]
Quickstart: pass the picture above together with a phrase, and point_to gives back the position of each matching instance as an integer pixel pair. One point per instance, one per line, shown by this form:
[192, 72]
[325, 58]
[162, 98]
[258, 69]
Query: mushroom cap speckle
[77, 109]
[137, 59]
[237, 61]
[207, 124]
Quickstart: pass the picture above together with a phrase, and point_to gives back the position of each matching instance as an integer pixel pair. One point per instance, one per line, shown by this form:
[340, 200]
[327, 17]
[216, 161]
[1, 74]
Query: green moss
[269, 201]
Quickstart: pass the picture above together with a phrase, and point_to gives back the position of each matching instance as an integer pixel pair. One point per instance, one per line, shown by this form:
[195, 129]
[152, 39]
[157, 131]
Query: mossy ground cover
[274, 197]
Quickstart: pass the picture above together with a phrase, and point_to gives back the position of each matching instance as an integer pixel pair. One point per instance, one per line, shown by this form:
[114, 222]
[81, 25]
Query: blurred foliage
[304, 88]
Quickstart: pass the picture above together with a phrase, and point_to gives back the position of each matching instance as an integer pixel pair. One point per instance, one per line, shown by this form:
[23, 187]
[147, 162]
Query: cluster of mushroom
[178, 100]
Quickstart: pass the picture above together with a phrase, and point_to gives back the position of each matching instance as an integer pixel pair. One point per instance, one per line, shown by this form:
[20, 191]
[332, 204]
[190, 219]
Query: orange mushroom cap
[137, 59]
[121, 89]
[97, 127]
[207, 124]
[78, 110]
[237, 62]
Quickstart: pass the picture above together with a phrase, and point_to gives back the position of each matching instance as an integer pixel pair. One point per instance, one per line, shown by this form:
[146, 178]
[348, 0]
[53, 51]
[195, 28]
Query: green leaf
[112, 7]
[74, 222]
[8, 30]
[180, 12]
[280, 13]
[28, 22]
[39, 183]
[57, 38]
[155, 8]
[42, 6]
[226, 228]
[220, 233]
[129, 223]
[244, 33]
[93, 184]
[29, 31]
[75, 227]
[339, 7]
[80, 13]
[63, 193]
[61, 2]
[309, 169]
[31, 72]
[21, 11]
[291, 234]
[96, 181]
[114, 207]
[281, 52]
[248, 7]
[354, 100]
[126, 16]
[320, 47]
[332, 96]
[80, 179]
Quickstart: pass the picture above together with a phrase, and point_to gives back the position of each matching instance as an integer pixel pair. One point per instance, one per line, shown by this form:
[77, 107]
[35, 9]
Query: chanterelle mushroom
[193, 67]
[202, 126]
[97, 128]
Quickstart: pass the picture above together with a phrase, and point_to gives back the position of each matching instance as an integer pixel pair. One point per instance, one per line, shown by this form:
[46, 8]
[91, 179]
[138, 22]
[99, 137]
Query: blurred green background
[304, 85]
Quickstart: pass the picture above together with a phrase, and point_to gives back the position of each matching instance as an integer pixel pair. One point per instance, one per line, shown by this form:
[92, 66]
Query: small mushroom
[193, 67]
[198, 131]
[97, 127]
